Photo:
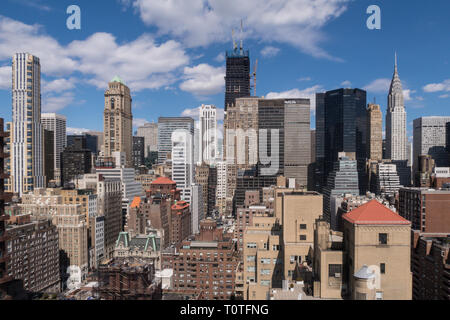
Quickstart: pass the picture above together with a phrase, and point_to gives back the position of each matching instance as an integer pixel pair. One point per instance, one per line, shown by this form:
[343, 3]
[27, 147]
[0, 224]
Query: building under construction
[237, 79]
[127, 279]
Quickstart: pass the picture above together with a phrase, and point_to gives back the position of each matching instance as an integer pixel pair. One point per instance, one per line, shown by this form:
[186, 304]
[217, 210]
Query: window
[303, 227]
[251, 245]
[334, 270]
[382, 268]
[265, 282]
[382, 238]
[302, 237]
[251, 258]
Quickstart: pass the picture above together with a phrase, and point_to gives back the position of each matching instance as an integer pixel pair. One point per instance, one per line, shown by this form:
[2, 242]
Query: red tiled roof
[136, 202]
[180, 205]
[374, 212]
[163, 180]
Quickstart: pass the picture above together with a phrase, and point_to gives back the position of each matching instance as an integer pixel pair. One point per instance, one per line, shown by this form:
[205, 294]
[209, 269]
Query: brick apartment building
[430, 263]
[428, 210]
[34, 253]
[205, 266]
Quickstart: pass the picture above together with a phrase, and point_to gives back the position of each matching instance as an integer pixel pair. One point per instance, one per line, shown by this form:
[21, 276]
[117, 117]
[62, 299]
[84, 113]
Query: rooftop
[163, 180]
[136, 202]
[374, 212]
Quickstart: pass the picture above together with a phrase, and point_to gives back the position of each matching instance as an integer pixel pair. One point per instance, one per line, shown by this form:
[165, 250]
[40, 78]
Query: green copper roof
[117, 79]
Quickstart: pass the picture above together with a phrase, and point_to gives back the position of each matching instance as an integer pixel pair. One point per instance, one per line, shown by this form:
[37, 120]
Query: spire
[395, 65]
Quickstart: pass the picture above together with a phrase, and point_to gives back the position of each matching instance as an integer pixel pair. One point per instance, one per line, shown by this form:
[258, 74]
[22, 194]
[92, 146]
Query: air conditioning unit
[337, 275]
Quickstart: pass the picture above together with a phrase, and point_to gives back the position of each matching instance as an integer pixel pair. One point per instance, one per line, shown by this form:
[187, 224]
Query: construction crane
[255, 68]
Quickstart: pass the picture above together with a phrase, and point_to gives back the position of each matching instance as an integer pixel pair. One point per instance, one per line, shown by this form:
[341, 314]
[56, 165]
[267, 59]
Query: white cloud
[5, 78]
[220, 57]
[308, 93]
[379, 86]
[436, 87]
[444, 96]
[139, 122]
[71, 130]
[407, 94]
[143, 63]
[269, 51]
[200, 22]
[192, 112]
[346, 84]
[57, 85]
[203, 80]
[52, 103]
[304, 79]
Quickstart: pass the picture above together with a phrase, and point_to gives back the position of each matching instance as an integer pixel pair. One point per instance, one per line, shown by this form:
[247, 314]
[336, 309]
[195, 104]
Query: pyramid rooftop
[374, 213]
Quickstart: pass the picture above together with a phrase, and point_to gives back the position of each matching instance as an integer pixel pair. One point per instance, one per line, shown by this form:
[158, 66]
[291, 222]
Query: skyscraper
[237, 78]
[26, 133]
[374, 132]
[284, 133]
[320, 143]
[150, 133]
[345, 129]
[118, 120]
[240, 150]
[341, 181]
[429, 139]
[166, 126]
[208, 151]
[56, 123]
[183, 159]
[138, 152]
[396, 120]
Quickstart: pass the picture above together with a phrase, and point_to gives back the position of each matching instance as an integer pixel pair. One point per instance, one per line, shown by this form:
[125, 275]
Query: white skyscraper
[182, 158]
[396, 120]
[208, 134]
[56, 123]
[26, 163]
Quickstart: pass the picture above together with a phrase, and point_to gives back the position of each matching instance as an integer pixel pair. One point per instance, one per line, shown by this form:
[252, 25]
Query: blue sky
[170, 53]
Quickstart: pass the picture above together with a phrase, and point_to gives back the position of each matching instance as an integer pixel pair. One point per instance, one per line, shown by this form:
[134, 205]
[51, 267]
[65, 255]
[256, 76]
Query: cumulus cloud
[139, 122]
[143, 63]
[379, 86]
[437, 87]
[57, 85]
[269, 52]
[54, 103]
[308, 93]
[5, 78]
[203, 80]
[198, 23]
[346, 84]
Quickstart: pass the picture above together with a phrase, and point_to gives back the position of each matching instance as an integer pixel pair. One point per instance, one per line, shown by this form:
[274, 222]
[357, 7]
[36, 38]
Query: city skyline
[74, 81]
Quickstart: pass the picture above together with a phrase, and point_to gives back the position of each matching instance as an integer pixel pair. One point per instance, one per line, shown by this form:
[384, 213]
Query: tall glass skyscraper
[237, 79]
[342, 122]
[166, 126]
[342, 180]
[290, 118]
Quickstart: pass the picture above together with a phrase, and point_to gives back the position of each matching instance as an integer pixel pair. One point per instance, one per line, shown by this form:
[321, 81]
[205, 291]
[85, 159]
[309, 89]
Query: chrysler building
[396, 140]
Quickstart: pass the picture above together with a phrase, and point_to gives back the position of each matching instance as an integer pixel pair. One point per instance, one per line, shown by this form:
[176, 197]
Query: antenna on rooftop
[242, 31]
[234, 40]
